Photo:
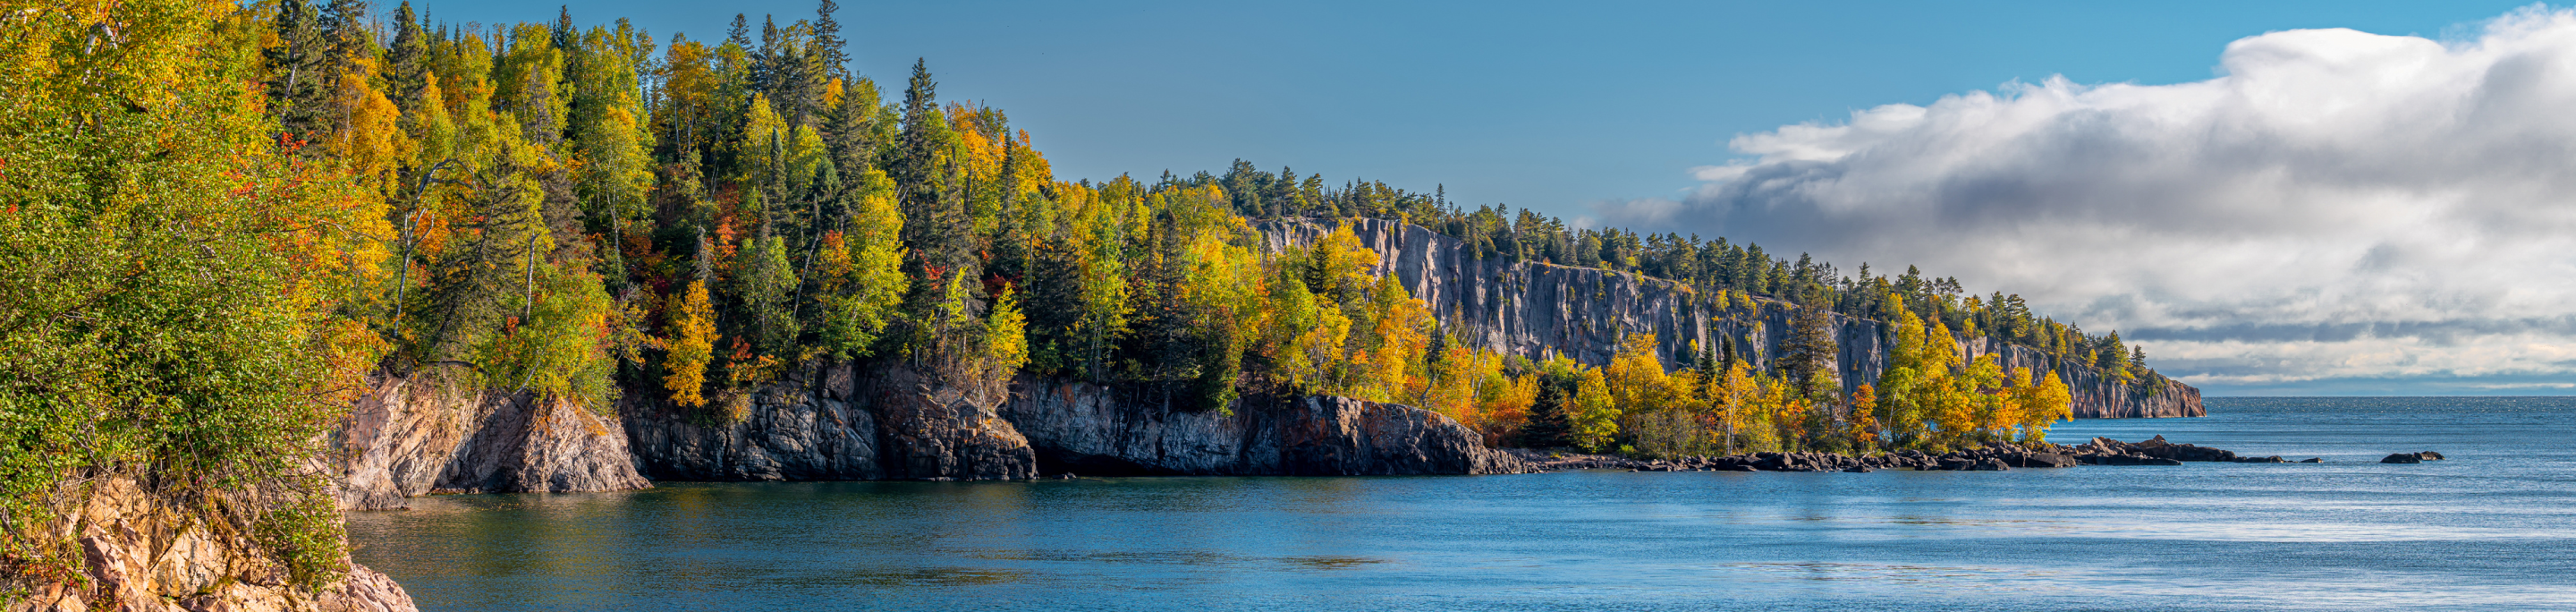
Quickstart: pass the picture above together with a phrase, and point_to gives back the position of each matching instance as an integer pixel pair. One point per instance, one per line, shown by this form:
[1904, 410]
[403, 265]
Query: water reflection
[2474, 531]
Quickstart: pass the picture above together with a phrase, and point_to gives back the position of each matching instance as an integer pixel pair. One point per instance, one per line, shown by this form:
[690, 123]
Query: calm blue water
[2492, 528]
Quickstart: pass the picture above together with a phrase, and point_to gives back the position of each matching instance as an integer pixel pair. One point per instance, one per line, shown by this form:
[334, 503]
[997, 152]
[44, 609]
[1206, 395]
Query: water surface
[2494, 527]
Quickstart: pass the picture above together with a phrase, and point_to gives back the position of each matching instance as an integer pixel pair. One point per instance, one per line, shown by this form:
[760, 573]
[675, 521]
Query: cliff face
[2097, 398]
[1091, 429]
[833, 422]
[145, 553]
[422, 433]
[1540, 310]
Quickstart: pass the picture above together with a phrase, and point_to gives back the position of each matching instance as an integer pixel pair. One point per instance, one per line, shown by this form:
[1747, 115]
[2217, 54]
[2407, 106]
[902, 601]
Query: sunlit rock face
[430, 431]
[142, 550]
[1540, 310]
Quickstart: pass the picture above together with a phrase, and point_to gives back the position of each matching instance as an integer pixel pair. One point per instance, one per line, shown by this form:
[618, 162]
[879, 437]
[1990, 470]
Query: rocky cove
[432, 431]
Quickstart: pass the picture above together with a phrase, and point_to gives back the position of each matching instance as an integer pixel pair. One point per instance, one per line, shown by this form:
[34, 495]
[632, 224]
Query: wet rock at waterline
[2418, 457]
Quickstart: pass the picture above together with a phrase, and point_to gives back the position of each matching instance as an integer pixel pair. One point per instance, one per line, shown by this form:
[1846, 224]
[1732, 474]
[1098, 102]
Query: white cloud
[2338, 204]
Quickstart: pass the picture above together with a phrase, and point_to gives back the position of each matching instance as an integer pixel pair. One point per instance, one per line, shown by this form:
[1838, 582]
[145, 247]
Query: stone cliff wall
[1091, 429]
[431, 432]
[831, 422]
[1540, 310]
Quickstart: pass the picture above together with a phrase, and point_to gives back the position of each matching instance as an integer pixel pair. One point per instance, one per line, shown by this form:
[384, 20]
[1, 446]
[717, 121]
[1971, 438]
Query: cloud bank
[2338, 205]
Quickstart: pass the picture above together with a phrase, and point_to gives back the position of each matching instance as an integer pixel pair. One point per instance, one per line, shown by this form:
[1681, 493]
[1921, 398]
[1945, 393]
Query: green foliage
[170, 273]
[189, 294]
[565, 347]
[1592, 418]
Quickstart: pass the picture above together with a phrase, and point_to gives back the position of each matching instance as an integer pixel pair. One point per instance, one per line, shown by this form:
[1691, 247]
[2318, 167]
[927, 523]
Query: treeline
[1709, 266]
[222, 220]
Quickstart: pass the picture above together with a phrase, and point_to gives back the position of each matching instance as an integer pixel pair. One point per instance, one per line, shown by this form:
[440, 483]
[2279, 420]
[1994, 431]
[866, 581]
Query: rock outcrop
[1539, 310]
[831, 422]
[2153, 451]
[428, 431]
[145, 553]
[1095, 430]
[2418, 457]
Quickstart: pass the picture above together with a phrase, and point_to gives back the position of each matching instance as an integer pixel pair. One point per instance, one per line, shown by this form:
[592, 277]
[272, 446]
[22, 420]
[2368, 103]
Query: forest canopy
[222, 219]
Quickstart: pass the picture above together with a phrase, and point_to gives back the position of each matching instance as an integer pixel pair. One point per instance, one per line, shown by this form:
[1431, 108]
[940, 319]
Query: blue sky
[2232, 207]
[1538, 105]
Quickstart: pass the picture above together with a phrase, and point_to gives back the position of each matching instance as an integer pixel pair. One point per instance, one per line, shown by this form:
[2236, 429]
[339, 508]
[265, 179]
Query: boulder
[2403, 458]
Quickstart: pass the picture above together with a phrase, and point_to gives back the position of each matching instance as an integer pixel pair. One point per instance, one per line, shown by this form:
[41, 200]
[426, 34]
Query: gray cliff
[845, 422]
[433, 431]
[1540, 310]
[832, 422]
[1094, 429]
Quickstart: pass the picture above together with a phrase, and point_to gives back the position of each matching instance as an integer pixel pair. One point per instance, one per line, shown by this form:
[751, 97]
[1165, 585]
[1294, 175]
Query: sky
[2306, 198]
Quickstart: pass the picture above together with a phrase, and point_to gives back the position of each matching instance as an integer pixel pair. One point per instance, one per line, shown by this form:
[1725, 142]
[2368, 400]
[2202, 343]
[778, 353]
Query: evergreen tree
[407, 62]
[298, 68]
[1810, 350]
[827, 38]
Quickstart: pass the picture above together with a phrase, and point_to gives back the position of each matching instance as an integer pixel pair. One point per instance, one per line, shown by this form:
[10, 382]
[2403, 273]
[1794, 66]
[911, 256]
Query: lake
[2493, 527]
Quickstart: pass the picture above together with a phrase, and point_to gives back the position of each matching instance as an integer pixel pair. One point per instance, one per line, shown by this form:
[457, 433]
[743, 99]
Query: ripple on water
[2493, 528]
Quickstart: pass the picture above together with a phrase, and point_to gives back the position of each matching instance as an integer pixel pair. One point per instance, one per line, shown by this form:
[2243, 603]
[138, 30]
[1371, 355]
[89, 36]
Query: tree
[827, 37]
[300, 68]
[861, 283]
[1593, 418]
[180, 284]
[1810, 349]
[691, 347]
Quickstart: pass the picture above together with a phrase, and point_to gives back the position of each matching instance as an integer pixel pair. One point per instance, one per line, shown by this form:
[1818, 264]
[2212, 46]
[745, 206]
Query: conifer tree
[827, 38]
[298, 82]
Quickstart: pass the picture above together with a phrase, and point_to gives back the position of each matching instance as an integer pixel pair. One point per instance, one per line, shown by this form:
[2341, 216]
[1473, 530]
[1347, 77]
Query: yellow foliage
[691, 348]
[1594, 417]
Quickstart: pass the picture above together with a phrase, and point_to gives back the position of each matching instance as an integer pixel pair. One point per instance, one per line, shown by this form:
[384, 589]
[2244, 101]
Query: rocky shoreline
[2098, 451]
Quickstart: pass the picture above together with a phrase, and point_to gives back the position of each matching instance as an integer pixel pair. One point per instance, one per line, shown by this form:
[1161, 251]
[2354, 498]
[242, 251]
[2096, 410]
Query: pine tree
[298, 83]
[1810, 349]
[408, 61]
[827, 37]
